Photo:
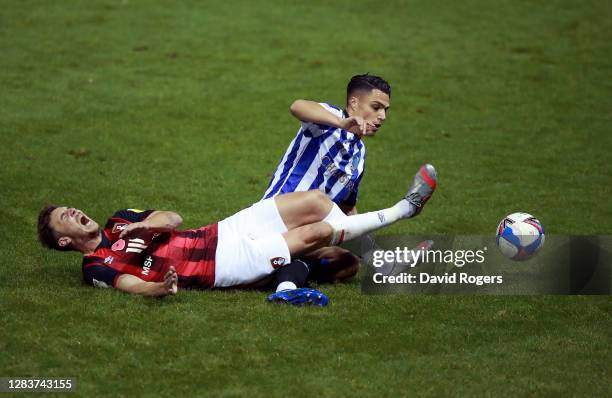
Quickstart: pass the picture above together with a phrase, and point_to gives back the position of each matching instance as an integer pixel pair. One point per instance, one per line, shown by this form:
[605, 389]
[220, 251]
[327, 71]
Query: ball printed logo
[519, 236]
[277, 262]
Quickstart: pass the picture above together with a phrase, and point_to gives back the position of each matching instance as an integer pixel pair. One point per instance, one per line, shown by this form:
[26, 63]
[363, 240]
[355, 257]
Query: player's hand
[133, 228]
[370, 128]
[357, 125]
[354, 124]
[171, 281]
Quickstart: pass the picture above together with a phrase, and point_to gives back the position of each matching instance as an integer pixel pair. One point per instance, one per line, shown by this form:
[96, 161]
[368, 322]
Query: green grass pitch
[184, 106]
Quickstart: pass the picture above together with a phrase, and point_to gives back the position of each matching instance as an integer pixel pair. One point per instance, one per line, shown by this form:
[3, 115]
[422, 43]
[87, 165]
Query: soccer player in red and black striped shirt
[142, 252]
[127, 246]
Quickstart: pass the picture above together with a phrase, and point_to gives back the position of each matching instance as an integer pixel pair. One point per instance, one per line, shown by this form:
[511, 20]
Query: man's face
[72, 224]
[371, 106]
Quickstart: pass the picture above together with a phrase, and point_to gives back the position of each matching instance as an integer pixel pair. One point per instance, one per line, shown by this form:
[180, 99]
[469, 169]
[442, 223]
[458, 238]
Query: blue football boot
[300, 297]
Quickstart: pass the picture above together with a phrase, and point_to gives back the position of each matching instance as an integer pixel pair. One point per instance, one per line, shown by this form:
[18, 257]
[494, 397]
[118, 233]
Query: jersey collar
[104, 242]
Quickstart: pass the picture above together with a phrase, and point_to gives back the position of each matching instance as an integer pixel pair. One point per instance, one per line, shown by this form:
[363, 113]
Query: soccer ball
[520, 236]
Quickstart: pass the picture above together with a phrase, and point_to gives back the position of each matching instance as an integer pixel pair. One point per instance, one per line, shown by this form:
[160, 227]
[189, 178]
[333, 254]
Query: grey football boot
[423, 186]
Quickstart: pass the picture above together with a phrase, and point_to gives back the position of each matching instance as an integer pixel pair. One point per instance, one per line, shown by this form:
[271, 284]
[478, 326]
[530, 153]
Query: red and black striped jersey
[149, 255]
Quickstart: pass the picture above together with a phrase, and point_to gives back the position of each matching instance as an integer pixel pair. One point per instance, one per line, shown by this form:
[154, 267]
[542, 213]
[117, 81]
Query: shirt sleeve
[99, 275]
[132, 215]
[315, 129]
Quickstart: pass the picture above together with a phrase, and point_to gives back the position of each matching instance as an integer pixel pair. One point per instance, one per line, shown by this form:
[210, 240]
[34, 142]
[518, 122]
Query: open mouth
[84, 220]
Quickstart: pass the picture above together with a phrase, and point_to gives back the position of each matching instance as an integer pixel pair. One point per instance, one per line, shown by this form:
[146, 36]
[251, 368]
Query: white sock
[334, 213]
[362, 244]
[286, 286]
[352, 227]
[405, 208]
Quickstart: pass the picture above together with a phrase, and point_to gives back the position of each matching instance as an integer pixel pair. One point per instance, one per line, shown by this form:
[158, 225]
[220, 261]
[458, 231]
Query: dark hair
[46, 235]
[367, 82]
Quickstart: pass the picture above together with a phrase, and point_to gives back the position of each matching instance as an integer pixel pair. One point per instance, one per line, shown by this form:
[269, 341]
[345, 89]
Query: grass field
[184, 106]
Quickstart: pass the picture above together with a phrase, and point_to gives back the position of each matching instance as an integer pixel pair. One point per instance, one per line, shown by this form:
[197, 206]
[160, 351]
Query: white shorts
[250, 245]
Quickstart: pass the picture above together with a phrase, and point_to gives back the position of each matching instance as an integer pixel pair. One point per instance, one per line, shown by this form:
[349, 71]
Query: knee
[320, 232]
[319, 205]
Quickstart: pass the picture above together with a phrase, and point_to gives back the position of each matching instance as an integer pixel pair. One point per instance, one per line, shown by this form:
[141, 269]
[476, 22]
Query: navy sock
[295, 272]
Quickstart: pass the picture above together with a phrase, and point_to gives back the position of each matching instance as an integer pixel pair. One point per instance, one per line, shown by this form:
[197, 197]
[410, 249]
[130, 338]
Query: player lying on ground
[142, 252]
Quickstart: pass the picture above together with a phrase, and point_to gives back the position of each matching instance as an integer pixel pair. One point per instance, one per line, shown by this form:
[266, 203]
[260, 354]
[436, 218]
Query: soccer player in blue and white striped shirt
[328, 154]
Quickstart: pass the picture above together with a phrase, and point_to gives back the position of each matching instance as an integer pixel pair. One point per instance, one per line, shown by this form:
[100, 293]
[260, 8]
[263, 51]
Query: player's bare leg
[303, 208]
[308, 238]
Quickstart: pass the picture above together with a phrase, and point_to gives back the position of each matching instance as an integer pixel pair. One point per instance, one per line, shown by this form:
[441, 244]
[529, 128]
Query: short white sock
[405, 208]
[286, 286]
[363, 244]
[351, 227]
[334, 213]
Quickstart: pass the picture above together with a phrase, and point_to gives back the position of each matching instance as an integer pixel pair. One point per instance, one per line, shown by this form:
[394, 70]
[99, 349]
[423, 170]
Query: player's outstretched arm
[313, 112]
[158, 221]
[134, 285]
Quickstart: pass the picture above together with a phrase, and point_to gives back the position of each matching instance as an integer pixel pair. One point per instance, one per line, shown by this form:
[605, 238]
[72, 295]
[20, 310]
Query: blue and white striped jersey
[321, 157]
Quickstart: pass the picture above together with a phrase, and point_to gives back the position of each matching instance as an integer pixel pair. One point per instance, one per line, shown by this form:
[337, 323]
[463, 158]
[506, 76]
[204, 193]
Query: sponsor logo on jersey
[355, 164]
[109, 260]
[135, 245]
[277, 262]
[146, 266]
[120, 226]
[331, 169]
[118, 246]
